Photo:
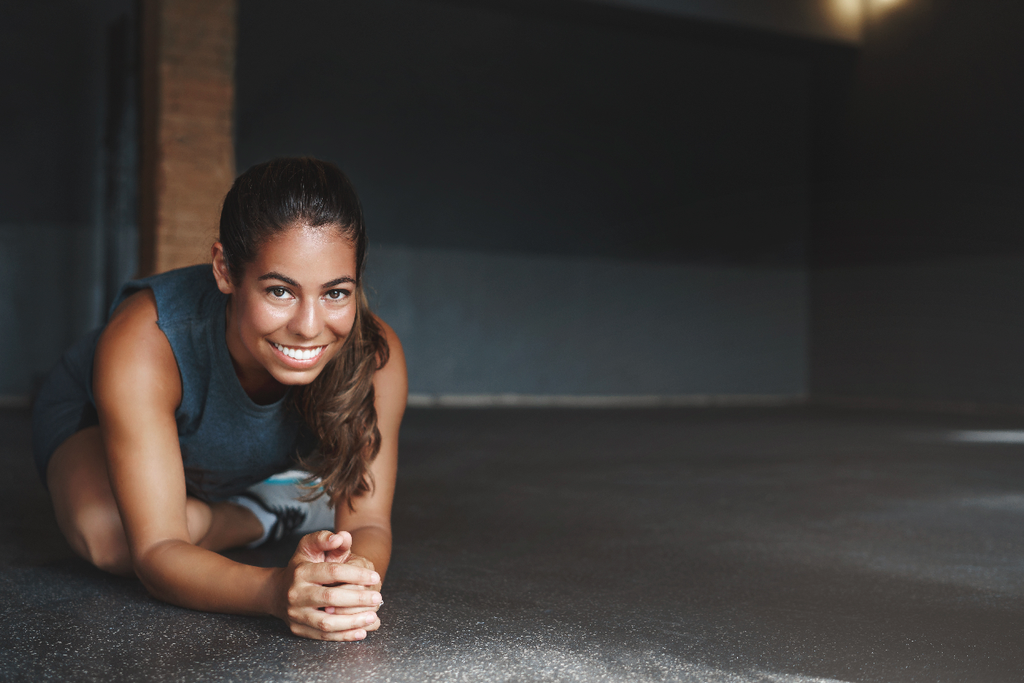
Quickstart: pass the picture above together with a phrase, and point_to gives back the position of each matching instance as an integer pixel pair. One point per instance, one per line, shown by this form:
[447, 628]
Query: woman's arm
[370, 521]
[137, 388]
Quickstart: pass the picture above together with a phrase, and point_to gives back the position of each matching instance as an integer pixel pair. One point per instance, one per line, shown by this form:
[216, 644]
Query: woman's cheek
[271, 318]
[344, 322]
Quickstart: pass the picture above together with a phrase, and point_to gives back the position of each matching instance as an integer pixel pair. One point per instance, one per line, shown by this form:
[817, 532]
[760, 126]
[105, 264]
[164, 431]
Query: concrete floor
[785, 545]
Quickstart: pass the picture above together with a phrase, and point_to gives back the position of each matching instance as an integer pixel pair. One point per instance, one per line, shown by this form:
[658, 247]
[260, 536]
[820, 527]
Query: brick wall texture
[188, 152]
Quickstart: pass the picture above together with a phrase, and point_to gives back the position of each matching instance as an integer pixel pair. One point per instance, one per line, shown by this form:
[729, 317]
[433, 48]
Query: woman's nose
[307, 321]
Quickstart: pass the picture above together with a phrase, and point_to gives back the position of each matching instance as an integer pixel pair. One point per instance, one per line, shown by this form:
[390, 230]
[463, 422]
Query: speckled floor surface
[784, 545]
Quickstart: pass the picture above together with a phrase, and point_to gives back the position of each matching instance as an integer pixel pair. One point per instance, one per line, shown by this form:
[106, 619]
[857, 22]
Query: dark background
[584, 132]
[658, 198]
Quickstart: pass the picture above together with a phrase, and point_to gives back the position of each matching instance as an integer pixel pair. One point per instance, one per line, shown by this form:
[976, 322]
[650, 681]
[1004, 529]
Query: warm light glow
[848, 16]
[853, 14]
[880, 6]
[848, 10]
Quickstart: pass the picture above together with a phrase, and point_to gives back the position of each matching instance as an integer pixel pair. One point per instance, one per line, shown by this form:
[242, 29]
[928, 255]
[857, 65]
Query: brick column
[188, 154]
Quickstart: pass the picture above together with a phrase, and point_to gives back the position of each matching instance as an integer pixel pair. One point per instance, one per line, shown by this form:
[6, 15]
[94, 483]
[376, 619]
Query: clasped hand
[328, 593]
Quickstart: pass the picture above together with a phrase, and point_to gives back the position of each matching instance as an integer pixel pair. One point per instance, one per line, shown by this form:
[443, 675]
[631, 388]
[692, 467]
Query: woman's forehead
[314, 249]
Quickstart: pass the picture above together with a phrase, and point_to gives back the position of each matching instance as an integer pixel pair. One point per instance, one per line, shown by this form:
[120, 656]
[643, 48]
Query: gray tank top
[228, 443]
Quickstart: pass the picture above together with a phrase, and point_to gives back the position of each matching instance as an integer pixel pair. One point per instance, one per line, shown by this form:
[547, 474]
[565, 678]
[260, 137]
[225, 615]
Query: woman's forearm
[189, 576]
[373, 543]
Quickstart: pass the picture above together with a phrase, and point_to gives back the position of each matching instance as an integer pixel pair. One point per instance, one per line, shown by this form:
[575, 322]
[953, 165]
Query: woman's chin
[294, 377]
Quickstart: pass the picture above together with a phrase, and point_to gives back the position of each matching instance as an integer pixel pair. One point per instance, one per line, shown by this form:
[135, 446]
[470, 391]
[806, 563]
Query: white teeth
[299, 354]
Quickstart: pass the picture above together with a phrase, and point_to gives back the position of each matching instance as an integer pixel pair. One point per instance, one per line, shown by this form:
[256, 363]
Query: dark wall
[562, 197]
[834, 20]
[918, 250]
[580, 130]
[55, 224]
[46, 114]
[927, 161]
[567, 139]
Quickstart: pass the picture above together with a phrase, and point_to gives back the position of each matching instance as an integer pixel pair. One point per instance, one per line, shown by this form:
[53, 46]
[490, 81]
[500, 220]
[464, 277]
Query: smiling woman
[154, 433]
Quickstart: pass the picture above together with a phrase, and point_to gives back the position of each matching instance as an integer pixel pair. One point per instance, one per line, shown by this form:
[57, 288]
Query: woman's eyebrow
[274, 275]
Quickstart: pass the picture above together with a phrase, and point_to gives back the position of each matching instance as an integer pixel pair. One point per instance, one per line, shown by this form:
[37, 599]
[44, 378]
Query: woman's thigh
[84, 503]
[87, 513]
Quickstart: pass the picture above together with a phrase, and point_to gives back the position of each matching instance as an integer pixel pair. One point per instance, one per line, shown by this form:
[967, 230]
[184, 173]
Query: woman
[152, 434]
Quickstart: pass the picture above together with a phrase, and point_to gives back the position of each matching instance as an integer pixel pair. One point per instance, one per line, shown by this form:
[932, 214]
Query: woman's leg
[88, 517]
[228, 525]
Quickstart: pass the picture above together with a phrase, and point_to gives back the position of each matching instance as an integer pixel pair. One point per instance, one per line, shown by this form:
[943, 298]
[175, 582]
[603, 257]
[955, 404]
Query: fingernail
[369, 618]
[375, 578]
[376, 599]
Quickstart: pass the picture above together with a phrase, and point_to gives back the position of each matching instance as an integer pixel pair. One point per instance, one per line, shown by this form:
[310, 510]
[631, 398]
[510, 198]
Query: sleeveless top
[228, 442]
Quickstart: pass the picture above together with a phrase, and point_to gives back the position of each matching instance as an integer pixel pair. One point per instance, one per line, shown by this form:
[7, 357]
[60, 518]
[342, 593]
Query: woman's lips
[305, 355]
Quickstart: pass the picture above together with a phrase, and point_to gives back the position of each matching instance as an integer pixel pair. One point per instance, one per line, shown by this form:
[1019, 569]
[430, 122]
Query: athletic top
[228, 443]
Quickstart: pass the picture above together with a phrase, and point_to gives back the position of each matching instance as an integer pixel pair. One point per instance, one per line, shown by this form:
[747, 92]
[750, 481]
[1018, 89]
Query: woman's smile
[304, 355]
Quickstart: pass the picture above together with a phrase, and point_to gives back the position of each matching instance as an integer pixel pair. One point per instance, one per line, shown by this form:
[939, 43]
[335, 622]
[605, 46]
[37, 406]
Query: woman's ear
[220, 269]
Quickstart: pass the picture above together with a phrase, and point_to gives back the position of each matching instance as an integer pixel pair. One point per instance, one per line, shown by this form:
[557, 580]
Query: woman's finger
[340, 555]
[359, 561]
[338, 636]
[326, 573]
[375, 605]
[342, 598]
[374, 625]
[316, 547]
[332, 623]
[331, 609]
[314, 595]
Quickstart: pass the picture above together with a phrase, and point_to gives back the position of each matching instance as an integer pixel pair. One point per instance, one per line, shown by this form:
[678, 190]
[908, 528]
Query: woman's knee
[198, 517]
[97, 535]
[84, 503]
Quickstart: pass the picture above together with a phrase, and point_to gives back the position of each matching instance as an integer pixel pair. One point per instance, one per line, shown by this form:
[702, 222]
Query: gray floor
[677, 545]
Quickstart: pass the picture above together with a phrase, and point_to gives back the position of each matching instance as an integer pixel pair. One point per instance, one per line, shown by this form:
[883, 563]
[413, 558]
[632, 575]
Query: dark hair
[337, 406]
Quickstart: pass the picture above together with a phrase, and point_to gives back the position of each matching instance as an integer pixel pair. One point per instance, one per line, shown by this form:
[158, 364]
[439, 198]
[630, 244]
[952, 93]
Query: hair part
[338, 406]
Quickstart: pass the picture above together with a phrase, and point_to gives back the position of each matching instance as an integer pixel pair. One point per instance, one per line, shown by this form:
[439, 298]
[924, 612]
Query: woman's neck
[262, 388]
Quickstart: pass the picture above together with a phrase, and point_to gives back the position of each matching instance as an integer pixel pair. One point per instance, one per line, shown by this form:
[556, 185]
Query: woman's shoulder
[134, 308]
[391, 382]
[132, 351]
[389, 332]
[175, 292]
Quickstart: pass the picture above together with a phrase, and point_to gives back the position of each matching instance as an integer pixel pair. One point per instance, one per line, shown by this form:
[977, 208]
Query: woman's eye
[277, 292]
[337, 294]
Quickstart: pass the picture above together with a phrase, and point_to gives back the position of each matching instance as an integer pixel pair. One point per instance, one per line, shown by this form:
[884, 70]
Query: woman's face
[293, 309]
